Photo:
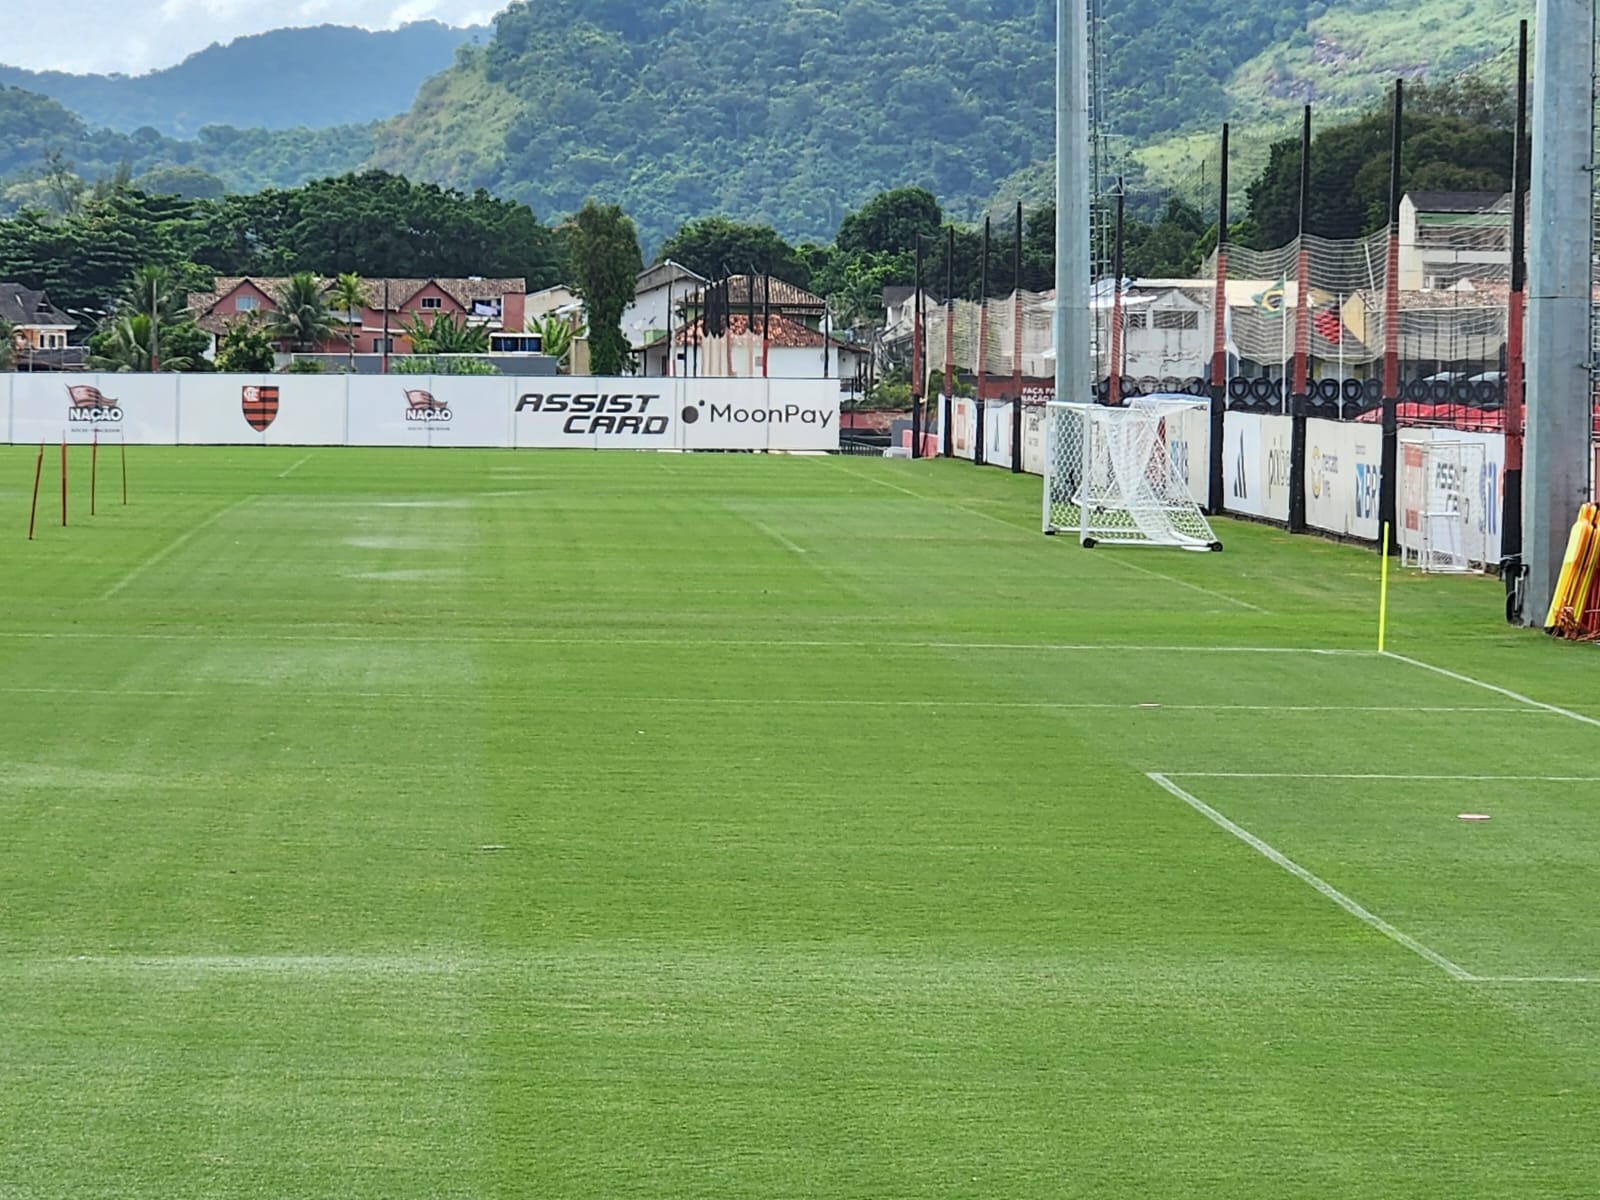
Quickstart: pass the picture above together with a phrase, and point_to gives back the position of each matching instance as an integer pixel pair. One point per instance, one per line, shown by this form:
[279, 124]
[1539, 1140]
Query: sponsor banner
[139, 408]
[1243, 488]
[1033, 417]
[963, 427]
[1343, 477]
[309, 410]
[754, 414]
[1485, 495]
[432, 410]
[1276, 434]
[997, 433]
[1188, 437]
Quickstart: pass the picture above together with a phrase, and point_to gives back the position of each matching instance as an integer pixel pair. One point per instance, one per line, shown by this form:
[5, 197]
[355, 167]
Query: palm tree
[152, 292]
[556, 335]
[303, 318]
[350, 296]
[130, 347]
[446, 335]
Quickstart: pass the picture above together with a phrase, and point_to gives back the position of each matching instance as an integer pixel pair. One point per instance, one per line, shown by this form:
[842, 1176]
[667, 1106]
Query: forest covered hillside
[791, 113]
[317, 78]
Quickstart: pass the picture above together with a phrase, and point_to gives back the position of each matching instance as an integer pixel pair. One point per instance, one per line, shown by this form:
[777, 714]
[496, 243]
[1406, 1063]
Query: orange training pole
[94, 467]
[63, 479]
[38, 471]
[124, 468]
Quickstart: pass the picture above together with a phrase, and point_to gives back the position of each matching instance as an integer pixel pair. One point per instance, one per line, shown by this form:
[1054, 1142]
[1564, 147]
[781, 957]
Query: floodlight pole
[1072, 198]
[1560, 239]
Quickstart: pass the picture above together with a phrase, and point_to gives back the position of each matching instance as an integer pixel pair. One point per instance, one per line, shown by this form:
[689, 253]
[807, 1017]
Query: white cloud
[131, 38]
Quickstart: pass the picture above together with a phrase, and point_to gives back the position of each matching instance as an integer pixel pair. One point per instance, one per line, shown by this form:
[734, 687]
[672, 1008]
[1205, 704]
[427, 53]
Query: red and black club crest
[260, 406]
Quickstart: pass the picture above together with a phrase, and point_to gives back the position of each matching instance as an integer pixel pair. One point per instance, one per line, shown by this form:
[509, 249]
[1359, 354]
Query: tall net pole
[1561, 200]
[1073, 185]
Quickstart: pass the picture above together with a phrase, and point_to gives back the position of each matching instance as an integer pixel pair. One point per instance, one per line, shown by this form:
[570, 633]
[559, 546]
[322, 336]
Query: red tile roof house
[494, 303]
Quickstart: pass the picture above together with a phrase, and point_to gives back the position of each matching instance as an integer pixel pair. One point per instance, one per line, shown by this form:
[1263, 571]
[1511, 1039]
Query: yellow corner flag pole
[1383, 590]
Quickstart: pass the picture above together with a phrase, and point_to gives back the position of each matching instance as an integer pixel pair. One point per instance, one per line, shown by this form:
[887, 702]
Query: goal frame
[1120, 493]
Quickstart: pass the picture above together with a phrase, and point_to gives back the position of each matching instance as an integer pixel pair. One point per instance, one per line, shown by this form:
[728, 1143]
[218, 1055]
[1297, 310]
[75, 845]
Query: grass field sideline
[403, 824]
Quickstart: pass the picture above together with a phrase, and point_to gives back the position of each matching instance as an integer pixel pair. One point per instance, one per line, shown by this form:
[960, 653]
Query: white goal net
[1443, 506]
[1110, 476]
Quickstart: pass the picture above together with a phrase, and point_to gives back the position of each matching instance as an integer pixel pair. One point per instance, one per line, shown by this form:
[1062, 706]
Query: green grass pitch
[404, 824]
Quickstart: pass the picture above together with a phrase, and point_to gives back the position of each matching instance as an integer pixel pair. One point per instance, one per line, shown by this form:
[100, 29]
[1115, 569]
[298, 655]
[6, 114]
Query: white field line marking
[403, 637]
[488, 696]
[178, 543]
[1384, 777]
[1015, 528]
[272, 964]
[777, 537]
[294, 468]
[1498, 690]
[1535, 979]
[1364, 915]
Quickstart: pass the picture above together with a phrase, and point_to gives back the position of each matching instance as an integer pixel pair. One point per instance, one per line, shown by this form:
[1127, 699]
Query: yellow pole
[1383, 590]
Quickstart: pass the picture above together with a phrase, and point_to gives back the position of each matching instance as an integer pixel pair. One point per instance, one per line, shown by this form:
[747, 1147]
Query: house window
[382, 345]
[432, 302]
[1135, 320]
[246, 304]
[1176, 319]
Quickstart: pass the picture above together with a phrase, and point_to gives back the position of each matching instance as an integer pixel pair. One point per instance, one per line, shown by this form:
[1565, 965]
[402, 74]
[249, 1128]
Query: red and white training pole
[94, 467]
[38, 473]
[63, 480]
[124, 468]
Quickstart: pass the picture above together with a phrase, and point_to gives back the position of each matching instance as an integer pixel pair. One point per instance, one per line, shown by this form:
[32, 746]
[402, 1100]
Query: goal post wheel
[1089, 543]
[1215, 546]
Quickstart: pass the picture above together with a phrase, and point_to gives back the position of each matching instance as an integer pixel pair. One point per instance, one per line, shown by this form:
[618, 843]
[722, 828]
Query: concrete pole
[1556, 464]
[1072, 200]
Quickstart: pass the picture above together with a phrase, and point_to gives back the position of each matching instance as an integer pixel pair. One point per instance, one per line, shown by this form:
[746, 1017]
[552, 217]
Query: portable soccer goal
[1110, 475]
[1441, 485]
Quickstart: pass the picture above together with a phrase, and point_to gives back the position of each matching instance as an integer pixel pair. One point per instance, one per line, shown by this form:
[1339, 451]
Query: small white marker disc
[1473, 816]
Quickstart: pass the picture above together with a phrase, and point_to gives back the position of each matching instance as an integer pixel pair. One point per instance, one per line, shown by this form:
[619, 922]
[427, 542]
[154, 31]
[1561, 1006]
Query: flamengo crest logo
[421, 406]
[88, 404]
[259, 405]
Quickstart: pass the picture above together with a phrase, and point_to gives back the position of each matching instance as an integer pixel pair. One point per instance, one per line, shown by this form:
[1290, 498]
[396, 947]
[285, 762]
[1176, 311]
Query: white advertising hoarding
[1485, 495]
[1343, 477]
[997, 433]
[799, 415]
[1243, 488]
[963, 427]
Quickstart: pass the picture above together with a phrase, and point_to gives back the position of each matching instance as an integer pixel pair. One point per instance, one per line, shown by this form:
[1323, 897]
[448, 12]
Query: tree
[713, 246]
[9, 335]
[446, 334]
[349, 296]
[245, 348]
[556, 335]
[606, 261]
[890, 223]
[303, 319]
[124, 344]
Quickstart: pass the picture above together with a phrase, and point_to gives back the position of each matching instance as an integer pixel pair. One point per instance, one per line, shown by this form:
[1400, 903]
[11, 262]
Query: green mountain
[792, 112]
[44, 149]
[318, 77]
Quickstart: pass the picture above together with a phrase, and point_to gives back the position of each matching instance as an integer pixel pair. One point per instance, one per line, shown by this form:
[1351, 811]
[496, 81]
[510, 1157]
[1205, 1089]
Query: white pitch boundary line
[1365, 915]
[1496, 688]
[1454, 970]
[1015, 528]
[177, 543]
[1392, 777]
[490, 697]
[291, 470]
[400, 637]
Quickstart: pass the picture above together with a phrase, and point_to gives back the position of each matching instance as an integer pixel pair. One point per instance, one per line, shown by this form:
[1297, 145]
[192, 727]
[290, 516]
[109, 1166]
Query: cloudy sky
[116, 35]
